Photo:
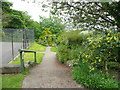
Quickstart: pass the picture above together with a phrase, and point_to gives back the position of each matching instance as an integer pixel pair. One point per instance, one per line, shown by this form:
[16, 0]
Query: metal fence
[14, 39]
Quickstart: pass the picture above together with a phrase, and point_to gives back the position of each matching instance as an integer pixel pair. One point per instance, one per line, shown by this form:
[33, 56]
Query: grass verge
[29, 57]
[13, 81]
[53, 49]
[37, 47]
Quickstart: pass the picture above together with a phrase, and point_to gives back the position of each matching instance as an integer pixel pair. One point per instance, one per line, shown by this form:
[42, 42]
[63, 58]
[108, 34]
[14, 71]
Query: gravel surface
[50, 74]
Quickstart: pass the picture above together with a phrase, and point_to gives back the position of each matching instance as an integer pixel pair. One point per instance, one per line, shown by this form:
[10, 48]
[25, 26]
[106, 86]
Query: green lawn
[12, 81]
[53, 49]
[15, 81]
[37, 47]
[29, 57]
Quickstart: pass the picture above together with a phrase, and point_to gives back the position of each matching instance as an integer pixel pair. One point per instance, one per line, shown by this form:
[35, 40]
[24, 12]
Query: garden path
[50, 74]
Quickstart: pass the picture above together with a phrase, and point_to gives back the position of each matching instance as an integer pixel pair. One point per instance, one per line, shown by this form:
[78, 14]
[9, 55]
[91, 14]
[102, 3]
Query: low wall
[14, 68]
[10, 69]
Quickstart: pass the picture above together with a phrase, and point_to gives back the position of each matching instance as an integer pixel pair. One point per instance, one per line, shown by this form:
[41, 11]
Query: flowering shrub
[93, 52]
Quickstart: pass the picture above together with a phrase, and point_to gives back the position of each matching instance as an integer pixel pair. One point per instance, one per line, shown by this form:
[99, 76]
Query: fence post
[23, 39]
[22, 63]
[35, 57]
[12, 46]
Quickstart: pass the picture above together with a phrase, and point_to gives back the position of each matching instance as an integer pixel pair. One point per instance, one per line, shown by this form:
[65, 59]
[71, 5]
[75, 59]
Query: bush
[63, 53]
[93, 79]
[95, 51]
[67, 44]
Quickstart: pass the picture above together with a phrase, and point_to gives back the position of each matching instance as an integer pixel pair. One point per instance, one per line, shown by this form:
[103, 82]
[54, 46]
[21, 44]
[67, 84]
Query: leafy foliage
[90, 54]
[93, 79]
[14, 18]
[90, 48]
[89, 15]
[53, 23]
[46, 37]
[18, 19]
[5, 12]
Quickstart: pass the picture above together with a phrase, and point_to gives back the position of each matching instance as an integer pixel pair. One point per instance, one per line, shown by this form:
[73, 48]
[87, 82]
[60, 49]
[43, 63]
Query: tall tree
[6, 10]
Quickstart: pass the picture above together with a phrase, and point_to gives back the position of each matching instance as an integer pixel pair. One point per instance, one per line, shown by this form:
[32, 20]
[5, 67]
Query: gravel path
[50, 74]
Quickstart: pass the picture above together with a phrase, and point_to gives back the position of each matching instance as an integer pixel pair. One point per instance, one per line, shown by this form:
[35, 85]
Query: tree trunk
[106, 66]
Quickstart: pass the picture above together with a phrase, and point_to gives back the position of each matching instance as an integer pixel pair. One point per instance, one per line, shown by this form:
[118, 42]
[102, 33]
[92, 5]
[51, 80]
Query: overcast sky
[33, 9]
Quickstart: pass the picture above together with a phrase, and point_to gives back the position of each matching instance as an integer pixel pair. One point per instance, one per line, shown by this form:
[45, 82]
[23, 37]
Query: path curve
[50, 74]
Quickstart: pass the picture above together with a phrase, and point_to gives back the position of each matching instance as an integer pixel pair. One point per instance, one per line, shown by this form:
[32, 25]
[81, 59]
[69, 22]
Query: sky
[33, 9]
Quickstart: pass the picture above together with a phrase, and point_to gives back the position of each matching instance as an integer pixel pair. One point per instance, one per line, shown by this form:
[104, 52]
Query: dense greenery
[18, 19]
[46, 37]
[5, 13]
[14, 18]
[53, 23]
[94, 50]
[94, 79]
[49, 29]
[94, 53]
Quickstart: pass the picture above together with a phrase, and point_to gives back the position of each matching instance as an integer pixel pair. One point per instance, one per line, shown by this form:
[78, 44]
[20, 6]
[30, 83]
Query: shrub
[104, 47]
[93, 79]
[67, 44]
[63, 53]
[88, 53]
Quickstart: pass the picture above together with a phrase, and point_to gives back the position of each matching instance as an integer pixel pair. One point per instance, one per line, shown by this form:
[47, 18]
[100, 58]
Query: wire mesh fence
[14, 39]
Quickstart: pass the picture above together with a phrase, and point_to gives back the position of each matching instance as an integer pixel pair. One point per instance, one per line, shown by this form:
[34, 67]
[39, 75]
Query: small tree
[46, 36]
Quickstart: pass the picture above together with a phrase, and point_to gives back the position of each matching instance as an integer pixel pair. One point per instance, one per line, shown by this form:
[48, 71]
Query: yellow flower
[91, 68]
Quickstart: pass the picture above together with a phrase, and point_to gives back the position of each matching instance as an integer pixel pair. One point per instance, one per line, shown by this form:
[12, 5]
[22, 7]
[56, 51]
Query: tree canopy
[53, 23]
[90, 15]
[21, 20]
[14, 18]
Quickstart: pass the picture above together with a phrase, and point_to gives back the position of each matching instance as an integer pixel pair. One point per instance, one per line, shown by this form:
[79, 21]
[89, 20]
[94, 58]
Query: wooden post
[22, 63]
[22, 68]
[35, 57]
